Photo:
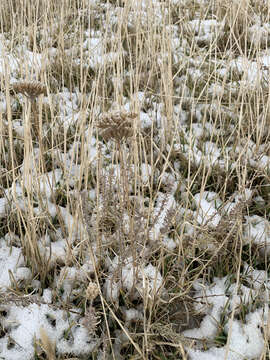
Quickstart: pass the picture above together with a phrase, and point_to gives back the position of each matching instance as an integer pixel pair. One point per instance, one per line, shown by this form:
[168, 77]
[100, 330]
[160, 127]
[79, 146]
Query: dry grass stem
[141, 233]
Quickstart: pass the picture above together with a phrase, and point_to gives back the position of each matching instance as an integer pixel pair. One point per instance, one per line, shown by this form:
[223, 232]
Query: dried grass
[120, 217]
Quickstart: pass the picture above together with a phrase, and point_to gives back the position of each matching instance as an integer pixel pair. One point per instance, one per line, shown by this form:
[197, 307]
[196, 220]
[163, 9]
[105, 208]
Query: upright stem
[123, 176]
[37, 131]
[35, 123]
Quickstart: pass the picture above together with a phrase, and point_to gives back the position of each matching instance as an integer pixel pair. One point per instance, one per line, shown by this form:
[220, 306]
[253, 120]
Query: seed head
[31, 89]
[116, 125]
[91, 320]
[92, 291]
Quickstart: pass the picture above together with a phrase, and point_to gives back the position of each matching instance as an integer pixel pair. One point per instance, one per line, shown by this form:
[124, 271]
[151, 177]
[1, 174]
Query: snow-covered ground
[196, 177]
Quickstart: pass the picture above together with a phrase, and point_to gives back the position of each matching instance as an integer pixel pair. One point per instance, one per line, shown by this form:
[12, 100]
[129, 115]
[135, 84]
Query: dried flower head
[31, 89]
[92, 291]
[116, 125]
[90, 320]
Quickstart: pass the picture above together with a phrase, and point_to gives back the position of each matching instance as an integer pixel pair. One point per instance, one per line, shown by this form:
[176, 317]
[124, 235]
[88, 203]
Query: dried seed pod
[116, 125]
[31, 89]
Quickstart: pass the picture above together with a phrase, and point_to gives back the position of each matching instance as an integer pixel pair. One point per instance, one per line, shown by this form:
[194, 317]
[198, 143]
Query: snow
[10, 259]
[124, 275]
[47, 183]
[132, 314]
[47, 296]
[23, 273]
[146, 121]
[246, 341]
[145, 280]
[3, 205]
[164, 204]
[55, 251]
[257, 230]
[207, 205]
[25, 324]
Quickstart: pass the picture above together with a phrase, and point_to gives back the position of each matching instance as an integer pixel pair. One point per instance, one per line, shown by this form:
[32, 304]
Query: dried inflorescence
[116, 125]
[90, 320]
[92, 291]
[31, 89]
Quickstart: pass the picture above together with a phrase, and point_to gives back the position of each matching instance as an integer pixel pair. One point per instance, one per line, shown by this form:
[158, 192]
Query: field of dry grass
[134, 179]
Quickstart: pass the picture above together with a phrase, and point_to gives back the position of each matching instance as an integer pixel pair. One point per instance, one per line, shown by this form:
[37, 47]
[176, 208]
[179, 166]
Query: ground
[134, 191]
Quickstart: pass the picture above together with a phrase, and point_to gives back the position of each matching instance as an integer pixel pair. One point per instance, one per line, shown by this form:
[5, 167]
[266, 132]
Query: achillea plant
[116, 125]
[92, 291]
[91, 320]
[31, 89]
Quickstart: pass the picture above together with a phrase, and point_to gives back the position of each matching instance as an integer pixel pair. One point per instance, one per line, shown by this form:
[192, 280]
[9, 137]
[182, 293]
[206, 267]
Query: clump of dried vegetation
[136, 195]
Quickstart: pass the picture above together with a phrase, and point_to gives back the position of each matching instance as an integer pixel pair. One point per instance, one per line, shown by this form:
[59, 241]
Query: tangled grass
[147, 118]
